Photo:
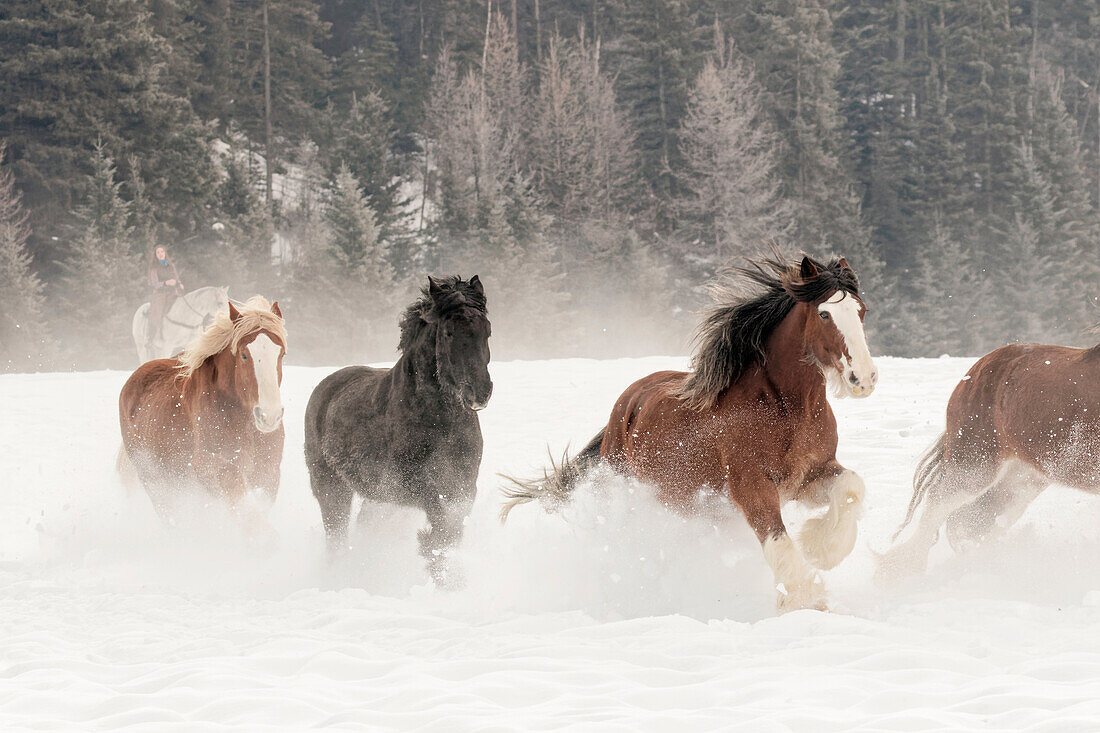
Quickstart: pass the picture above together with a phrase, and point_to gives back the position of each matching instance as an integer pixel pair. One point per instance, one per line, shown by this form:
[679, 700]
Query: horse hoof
[787, 602]
[811, 596]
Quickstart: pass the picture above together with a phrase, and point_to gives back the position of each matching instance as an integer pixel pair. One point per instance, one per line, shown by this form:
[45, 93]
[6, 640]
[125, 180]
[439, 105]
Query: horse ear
[234, 314]
[434, 287]
[476, 282]
[844, 264]
[808, 269]
[275, 309]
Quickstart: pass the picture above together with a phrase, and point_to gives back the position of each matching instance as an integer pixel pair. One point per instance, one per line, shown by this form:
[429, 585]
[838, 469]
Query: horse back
[1034, 402]
[347, 389]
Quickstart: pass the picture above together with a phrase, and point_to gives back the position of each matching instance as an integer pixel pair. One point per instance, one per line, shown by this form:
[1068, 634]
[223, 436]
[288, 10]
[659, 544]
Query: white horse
[188, 316]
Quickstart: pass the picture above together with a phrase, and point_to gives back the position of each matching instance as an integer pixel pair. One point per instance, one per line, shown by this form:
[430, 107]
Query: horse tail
[557, 483]
[930, 470]
[125, 468]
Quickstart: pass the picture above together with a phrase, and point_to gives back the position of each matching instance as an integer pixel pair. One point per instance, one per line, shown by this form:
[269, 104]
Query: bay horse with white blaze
[212, 418]
[751, 421]
[410, 434]
[1025, 416]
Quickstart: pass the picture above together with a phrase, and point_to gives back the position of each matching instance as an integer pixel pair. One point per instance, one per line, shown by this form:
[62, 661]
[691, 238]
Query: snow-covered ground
[615, 616]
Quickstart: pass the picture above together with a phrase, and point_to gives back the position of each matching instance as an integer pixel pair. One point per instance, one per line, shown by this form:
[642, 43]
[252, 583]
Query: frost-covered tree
[492, 219]
[24, 336]
[732, 197]
[579, 149]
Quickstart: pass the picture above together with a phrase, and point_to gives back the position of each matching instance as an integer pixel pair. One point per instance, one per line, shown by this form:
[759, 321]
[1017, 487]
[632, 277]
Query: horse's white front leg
[797, 584]
[828, 539]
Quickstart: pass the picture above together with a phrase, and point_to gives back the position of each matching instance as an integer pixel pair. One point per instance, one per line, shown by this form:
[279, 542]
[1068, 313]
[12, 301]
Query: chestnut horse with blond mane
[213, 417]
[751, 421]
[1025, 416]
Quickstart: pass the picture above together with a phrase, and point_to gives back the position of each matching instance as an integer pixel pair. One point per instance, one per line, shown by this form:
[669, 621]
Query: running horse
[212, 418]
[408, 435]
[1025, 416]
[751, 420]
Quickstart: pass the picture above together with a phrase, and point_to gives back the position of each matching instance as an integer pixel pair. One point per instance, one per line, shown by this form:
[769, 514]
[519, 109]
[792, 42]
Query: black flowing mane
[748, 303]
[455, 296]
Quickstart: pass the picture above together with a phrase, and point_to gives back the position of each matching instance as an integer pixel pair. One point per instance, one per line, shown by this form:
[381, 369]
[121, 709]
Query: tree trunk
[901, 32]
[538, 33]
[268, 155]
[1032, 61]
[515, 26]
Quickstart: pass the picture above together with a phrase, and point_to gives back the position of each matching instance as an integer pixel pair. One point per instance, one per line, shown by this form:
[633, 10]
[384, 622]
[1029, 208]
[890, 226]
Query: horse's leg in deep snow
[956, 488]
[798, 585]
[998, 508]
[446, 520]
[334, 496]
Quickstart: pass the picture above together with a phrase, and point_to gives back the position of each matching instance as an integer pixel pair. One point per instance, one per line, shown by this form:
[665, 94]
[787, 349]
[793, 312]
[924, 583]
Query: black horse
[408, 435]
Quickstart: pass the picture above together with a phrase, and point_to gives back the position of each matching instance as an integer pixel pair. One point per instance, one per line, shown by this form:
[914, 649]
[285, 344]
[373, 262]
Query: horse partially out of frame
[1025, 416]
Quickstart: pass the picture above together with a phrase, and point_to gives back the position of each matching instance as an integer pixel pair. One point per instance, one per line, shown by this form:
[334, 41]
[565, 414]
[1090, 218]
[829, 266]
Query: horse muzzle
[860, 383]
[265, 422]
[477, 400]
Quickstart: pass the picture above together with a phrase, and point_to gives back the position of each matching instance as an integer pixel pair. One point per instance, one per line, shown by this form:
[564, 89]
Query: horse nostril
[258, 413]
[853, 378]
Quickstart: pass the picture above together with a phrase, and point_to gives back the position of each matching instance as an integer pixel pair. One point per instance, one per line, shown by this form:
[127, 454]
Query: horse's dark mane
[456, 296]
[748, 303]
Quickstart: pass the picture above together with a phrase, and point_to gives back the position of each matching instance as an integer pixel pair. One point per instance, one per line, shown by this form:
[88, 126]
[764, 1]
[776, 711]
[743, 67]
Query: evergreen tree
[985, 77]
[947, 294]
[360, 136]
[344, 285]
[280, 76]
[103, 283]
[24, 338]
[355, 244]
[74, 72]
[653, 58]
[241, 253]
[790, 43]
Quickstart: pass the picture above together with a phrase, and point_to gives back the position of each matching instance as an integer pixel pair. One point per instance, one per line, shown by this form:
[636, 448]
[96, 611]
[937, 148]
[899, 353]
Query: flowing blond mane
[256, 316]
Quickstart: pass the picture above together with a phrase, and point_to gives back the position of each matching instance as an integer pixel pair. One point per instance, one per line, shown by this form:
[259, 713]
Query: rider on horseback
[166, 288]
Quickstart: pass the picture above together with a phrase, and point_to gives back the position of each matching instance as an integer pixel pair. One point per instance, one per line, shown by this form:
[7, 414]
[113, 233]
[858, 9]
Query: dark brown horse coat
[752, 420]
[774, 424]
[1023, 417]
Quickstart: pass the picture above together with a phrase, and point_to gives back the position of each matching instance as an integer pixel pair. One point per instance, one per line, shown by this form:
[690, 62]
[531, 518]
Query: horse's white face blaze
[858, 373]
[265, 355]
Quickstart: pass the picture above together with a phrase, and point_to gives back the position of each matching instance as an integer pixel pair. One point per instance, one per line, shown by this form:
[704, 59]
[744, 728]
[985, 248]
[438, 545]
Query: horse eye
[244, 356]
[824, 315]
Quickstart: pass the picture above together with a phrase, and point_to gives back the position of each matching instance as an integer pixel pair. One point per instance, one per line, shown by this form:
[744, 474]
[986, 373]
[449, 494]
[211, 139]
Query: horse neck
[786, 366]
[202, 382]
[198, 296]
[415, 373]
